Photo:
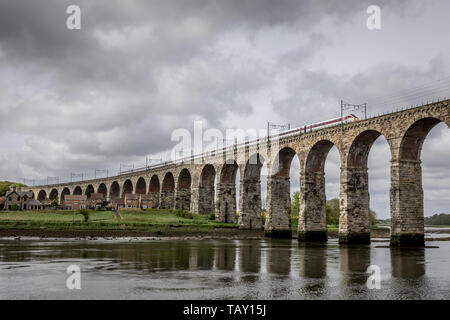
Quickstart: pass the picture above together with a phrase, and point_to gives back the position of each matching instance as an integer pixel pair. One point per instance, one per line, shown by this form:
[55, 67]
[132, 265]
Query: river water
[220, 269]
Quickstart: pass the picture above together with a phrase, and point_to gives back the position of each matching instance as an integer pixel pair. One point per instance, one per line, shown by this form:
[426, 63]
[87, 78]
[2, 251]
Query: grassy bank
[153, 222]
[149, 220]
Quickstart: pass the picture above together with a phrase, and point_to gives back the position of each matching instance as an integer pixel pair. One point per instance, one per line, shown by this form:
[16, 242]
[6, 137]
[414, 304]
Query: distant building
[96, 200]
[75, 202]
[131, 201]
[35, 204]
[46, 203]
[145, 201]
[18, 199]
[118, 203]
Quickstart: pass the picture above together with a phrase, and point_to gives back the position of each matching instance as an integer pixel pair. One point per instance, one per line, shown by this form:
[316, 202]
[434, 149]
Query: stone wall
[354, 219]
[226, 203]
[278, 217]
[183, 199]
[250, 205]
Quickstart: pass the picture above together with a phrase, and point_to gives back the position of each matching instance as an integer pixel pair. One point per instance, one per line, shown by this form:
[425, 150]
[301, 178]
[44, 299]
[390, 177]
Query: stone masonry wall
[406, 201]
[354, 219]
[226, 203]
[167, 199]
[183, 199]
[250, 205]
[312, 222]
[278, 218]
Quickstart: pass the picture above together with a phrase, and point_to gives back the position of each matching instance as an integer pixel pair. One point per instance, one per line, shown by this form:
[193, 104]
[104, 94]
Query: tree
[373, 217]
[295, 205]
[332, 209]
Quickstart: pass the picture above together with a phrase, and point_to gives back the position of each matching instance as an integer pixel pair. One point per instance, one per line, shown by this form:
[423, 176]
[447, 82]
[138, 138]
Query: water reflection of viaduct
[191, 185]
[309, 266]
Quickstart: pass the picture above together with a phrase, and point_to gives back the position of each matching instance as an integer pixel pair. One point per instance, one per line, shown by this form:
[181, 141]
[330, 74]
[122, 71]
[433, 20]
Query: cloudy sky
[114, 91]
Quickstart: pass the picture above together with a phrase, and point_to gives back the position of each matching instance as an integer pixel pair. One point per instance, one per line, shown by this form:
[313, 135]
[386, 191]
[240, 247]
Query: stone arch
[206, 190]
[78, 191]
[114, 190]
[154, 191]
[53, 194]
[141, 186]
[64, 193]
[226, 193]
[354, 198]
[42, 195]
[183, 194]
[412, 140]
[168, 191]
[278, 218]
[406, 195]
[89, 190]
[312, 224]
[103, 190]
[127, 187]
[250, 194]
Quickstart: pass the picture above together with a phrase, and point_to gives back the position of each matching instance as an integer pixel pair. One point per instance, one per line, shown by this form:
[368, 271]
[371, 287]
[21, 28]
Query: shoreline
[219, 233]
[377, 235]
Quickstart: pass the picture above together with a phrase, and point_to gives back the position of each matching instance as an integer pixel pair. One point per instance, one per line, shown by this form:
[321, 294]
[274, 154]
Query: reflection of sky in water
[221, 269]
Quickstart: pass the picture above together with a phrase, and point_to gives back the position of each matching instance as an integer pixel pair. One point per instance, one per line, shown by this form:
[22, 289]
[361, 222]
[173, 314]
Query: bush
[184, 214]
[212, 216]
[85, 214]
[14, 207]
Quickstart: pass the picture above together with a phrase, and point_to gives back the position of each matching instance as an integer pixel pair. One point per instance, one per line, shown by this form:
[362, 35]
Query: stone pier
[406, 200]
[354, 219]
[226, 204]
[312, 224]
[278, 218]
[250, 205]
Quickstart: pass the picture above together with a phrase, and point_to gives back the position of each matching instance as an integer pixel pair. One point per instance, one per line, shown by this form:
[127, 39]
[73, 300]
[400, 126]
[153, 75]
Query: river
[220, 269]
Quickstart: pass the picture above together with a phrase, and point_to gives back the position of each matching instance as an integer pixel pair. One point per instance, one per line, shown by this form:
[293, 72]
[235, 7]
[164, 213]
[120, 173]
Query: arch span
[278, 219]
[42, 195]
[312, 224]
[226, 193]
[354, 204]
[103, 190]
[64, 193]
[406, 195]
[77, 191]
[183, 193]
[141, 186]
[127, 187]
[89, 190]
[53, 194]
[206, 190]
[114, 191]
[168, 191]
[154, 191]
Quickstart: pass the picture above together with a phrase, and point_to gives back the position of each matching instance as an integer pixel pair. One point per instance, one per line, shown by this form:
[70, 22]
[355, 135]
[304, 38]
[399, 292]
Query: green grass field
[148, 220]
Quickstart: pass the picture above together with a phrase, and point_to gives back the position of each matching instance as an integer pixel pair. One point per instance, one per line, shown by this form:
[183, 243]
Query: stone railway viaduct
[191, 184]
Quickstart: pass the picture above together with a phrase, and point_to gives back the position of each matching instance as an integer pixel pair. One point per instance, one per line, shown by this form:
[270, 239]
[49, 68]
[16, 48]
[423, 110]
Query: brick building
[131, 201]
[96, 200]
[145, 201]
[75, 202]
